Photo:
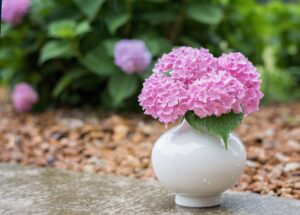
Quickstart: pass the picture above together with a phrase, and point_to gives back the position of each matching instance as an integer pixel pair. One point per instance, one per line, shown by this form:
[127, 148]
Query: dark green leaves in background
[68, 28]
[115, 21]
[98, 62]
[206, 13]
[90, 8]
[55, 49]
[65, 47]
[66, 80]
[121, 87]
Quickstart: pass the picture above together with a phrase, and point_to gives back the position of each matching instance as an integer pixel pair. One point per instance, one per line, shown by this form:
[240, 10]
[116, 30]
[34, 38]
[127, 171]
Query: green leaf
[55, 49]
[221, 125]
[122, 86]
[159, 17]
[82, 28]
[89, 7]
[66, 80]
[189, 41]
[68, 28]
[5, 28]
[41, 8]
[115, 21]
[205, 13]
[156, 45]
[99, 62]
[158, 1]
[110, 46]
[62, 29]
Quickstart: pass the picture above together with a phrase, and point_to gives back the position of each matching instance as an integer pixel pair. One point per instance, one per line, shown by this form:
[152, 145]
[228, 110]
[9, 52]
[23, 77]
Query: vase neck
[184, 123]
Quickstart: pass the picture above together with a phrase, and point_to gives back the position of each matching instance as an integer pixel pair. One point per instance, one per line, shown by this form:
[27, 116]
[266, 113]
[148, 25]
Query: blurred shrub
[269, 34]
[64, 48]
[277, 85]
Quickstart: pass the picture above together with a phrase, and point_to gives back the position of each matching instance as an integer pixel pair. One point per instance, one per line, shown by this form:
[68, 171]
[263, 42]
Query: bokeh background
[65, 48]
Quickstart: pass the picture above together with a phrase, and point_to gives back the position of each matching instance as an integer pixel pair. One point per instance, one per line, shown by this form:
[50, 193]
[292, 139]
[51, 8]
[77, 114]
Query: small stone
[88, 168]
[269, 132]
[291, 166]
[276, 171]
[252, 163]
[57, 135]
[70, 151]
[282, 157]
[137, 138]
[297, 185]
[294, 144]
[258, 178]
[120, 132]
[72, 123]
[146, 129]
[96, 134]
[256, 153]
[50, 160]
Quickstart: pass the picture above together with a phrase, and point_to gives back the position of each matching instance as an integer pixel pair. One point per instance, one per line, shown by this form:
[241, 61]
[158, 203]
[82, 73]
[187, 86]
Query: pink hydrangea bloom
[215, 94]
[24, 97]
[192, 79]
[164, 98]
[13, 11]
[132, 56]
[186, 64]
[243, 70]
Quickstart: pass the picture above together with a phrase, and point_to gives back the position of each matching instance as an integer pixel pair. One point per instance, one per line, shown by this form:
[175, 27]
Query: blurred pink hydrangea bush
[132, 56]
[24, 97]
[13, 11]
[190, 79]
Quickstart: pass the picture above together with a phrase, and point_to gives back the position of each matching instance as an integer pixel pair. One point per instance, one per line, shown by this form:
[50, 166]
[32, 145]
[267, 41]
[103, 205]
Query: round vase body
[196, 166]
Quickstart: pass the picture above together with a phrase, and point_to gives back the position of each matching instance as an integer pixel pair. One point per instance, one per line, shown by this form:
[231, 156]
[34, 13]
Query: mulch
[120, 144]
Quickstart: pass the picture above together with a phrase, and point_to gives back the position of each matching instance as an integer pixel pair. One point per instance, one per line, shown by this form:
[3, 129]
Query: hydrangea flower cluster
[191, 79]
[13, 11]
[215, 94]
[187, 64]
[132, 56]
[164, 98]
[239, 67]
[24, 97]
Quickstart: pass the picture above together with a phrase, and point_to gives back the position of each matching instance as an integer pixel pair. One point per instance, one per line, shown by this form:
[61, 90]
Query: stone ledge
[25, 190]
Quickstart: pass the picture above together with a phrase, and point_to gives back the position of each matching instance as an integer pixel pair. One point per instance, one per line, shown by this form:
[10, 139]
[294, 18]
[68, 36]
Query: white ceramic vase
[196, 166]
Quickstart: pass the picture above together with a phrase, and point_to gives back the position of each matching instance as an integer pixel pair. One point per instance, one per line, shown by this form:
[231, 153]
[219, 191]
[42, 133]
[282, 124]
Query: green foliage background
[64, 48]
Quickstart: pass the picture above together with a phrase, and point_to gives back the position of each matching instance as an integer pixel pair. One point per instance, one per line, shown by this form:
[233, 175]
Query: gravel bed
[120, 144]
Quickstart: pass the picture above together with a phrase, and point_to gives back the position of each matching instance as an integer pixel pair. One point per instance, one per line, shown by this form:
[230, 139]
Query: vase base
[197, 202]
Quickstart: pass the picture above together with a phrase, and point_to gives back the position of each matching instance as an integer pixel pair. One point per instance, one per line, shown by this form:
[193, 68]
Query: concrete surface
[26, 190]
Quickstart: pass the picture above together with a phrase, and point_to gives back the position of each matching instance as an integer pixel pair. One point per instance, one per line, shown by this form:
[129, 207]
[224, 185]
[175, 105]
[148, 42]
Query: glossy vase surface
[196, 166]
